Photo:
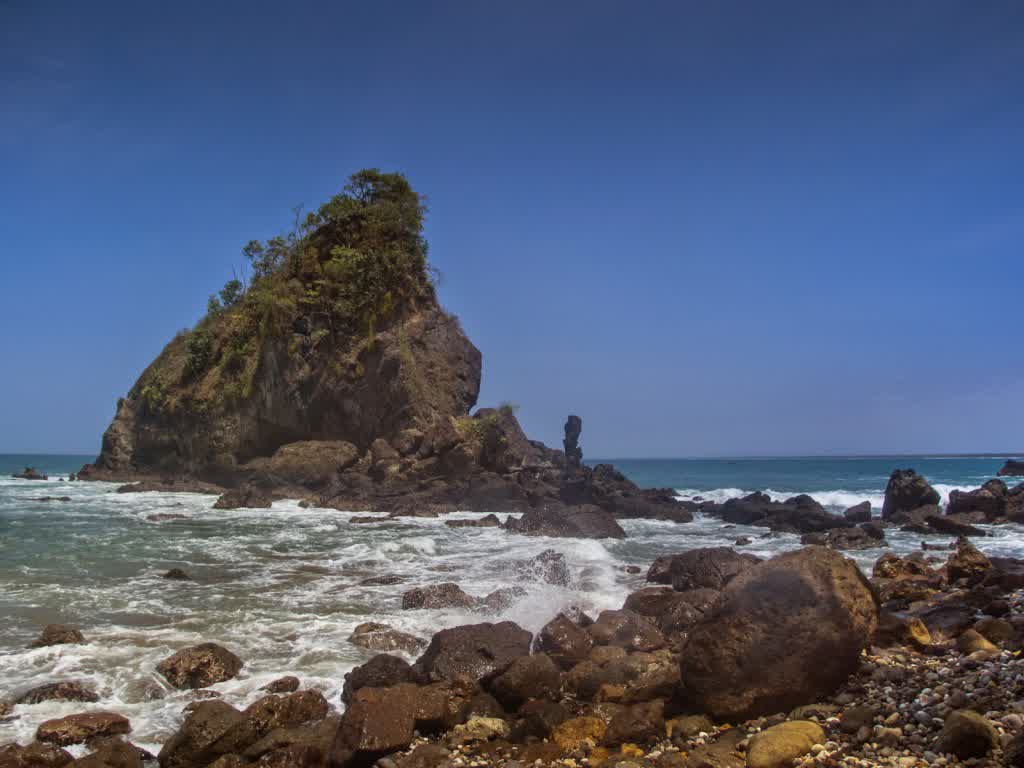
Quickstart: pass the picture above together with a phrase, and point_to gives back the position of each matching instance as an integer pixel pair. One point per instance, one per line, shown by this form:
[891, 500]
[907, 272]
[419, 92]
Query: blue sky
[708, 228]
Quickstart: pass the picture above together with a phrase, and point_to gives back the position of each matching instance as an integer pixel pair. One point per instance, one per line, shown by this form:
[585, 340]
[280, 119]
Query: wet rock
[722, 753]
[113, 754]
[286, 684]
[859, 513]
[446, 595]
[707, 568]
[287, 711]
[474, 652]
[501, 599]
[200, 666]
[582, 522]
[211, 729]
[382, 581]
[381, 637]
[787, 632]
[996, 631]
[967, 734]
[57, 634]
[540, 717]
[382, 671]
[527, 677]
[380, 721]
[177, 574]
[549, 567]
[778, 746]
[637, 724]
[579, 732]
[945, 621]
[1012, 467]
[245, 497]
[75, 729]
[626, 629]
[891, 566]
[487, 521]
[989, 501]
[34, 755]
[867, 536]
[967, 563]
[688, 726]
[906, 491]
[304, 742]
[68, 690]
[855, 718]
[30, 473]
[563, 641]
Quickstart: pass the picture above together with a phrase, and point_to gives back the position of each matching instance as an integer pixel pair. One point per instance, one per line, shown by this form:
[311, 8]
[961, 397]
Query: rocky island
[336, 376]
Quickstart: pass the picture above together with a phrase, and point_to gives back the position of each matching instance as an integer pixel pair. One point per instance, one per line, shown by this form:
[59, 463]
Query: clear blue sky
[709, 228]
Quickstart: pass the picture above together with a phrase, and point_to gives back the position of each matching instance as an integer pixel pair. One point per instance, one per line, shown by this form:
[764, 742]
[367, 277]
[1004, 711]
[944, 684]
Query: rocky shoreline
[723, 660]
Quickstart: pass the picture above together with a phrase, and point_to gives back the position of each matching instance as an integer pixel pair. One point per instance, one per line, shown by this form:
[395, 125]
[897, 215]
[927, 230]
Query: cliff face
[418, 371]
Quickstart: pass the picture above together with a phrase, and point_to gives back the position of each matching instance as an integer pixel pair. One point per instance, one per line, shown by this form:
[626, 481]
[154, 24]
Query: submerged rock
[780, 745]
[58, 634]
[583, 522]
[246, 497]
[68, 690]
[75, 729]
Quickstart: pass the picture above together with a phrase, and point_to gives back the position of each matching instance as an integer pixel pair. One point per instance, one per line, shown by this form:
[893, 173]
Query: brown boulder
[967, 563]
[582, 522]
[57, 634]
[637, 724]
[113, 754]
[68, 690]
[473, 652]
[286, 684]
[906, 491]
[211, 729]
[563, 641]
[967, 734]
[381, 637]
[34, 755]
[859, 513]
[382, 671]
[75, 729]
[287, 711]
[528, 677]
[200, 666]
[785, 633]
[626, 629]
[708, 568]
[244, 497]
[446, 595]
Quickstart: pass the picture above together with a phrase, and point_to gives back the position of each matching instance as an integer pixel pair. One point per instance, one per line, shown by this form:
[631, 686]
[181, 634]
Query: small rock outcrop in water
[30, 473]
[583, 522]
[200, 666]
[75, 729]
[786, 632]
[1012, 467]
[905, 492]
[58, 634]
[245, 497]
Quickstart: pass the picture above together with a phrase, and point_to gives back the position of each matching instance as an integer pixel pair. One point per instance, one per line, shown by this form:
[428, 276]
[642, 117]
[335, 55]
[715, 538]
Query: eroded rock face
[200, 666]
[907, 491]
[785, 633]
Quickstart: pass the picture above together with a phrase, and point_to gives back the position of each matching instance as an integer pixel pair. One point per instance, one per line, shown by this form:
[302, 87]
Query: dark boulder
[57, 634]
[906, 491]
[708, 568]
[487, 521]
[473, 652]
[967, 734]
[859, 513]
[580, 522]
[637, 724]
[211, 729]
[286, 684]
[286, 711]
[76, 729]
[244, 497]
[527, 677]
[1012, 467]
[34, 755]
[68, 690]
[200, 666]
[113, 754]
[564, 641]
[177, 574]
[30, 473]
[785, 633]
[381, 637]
[990, 501]
[382, 671]
[967, 563]
[445, 595]
[866, 537]
[626, 629]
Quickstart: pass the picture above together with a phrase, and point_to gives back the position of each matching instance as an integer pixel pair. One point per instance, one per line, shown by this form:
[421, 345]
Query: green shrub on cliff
[328, 285]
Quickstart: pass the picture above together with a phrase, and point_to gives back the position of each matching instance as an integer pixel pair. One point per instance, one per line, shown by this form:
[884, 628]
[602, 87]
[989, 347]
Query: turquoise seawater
[282, 587]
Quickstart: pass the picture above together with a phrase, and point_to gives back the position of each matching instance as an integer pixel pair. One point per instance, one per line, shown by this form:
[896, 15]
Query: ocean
[281, 587]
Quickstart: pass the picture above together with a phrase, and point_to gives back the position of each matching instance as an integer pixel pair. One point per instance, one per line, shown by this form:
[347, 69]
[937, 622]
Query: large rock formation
[1012, 467]
[905, 492]
[337, 373]
[784, 633]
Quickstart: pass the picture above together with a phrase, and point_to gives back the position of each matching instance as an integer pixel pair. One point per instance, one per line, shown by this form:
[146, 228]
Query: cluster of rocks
[30, 473]
[725, 660]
